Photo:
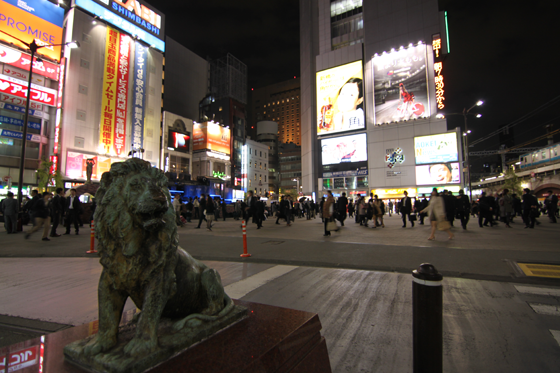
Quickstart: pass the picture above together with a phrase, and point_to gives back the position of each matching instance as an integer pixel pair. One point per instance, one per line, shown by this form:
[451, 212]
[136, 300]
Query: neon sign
[218, 174]
[438, 69]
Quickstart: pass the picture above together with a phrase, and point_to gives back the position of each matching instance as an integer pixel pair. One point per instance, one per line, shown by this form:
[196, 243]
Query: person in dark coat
[10, 211]
[462, 205]
[449, 201]
[30, 206]
[259, 212]
[210, 212]
[551, 203]
[223, 205]
[530, 207]
[57, 203]
[73, 208]
[423, 204]
[406, 209]
[201, 207]
[341, 205]
[42, 216]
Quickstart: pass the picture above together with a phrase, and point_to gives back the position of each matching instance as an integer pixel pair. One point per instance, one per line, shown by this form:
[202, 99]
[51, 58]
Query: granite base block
[170, 342]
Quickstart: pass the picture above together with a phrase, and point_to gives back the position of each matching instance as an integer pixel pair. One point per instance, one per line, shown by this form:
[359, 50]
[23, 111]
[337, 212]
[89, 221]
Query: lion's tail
[198, 316]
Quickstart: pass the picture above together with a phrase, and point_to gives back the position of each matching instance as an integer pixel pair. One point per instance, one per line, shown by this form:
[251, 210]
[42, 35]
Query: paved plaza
[495, 318]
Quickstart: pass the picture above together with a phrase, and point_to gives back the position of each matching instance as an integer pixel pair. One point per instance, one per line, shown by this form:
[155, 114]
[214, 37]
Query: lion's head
[133, 204]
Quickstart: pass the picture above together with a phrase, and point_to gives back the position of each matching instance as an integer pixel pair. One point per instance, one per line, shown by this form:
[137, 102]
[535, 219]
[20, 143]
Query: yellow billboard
[211, 136]
[340, 99]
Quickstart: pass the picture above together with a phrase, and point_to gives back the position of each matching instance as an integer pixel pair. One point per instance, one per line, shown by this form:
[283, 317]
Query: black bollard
[427, 304]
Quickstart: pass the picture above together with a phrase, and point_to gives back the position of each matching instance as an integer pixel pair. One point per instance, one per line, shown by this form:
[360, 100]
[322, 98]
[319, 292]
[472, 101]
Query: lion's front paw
[138, 346]
[99, 344]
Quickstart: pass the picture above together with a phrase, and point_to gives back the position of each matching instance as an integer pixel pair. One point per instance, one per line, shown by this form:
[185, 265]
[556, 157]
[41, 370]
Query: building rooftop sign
[135, 17]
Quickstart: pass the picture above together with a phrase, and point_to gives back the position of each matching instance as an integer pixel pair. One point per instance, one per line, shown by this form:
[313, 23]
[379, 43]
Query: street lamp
[33, 47]
[297, 179]
[465, 134]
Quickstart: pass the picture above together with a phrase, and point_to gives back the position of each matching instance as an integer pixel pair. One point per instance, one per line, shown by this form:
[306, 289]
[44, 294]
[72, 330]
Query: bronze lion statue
[137, 242]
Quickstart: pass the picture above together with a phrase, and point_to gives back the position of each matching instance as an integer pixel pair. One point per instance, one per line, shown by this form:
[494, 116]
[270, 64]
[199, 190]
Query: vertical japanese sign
[122, 93]
[108, 100]
[438, 71]
[139, 96]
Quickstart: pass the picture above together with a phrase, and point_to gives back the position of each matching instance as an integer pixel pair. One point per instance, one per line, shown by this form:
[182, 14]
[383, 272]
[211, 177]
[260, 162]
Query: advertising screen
[438, 174]
[344, 156]
[340, 99]
[179, 141]
[211, 136]
[436, 148]
[32, 20]
[400, 85]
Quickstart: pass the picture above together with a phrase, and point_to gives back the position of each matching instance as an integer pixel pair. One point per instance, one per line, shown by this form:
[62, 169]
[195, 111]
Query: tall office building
[279, 103]
[372, 78]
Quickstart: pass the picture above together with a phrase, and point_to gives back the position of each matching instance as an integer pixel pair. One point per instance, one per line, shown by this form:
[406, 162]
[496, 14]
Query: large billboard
[400, 85]
[135, 17]
[211, 136]
[436, 148]
[344, 156]
[31, 20]
[438, 174]
[340, 99]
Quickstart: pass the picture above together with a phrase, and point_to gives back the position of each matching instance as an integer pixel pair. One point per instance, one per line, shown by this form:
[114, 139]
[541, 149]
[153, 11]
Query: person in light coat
[436, 212]
[328, 210]
[506, 207]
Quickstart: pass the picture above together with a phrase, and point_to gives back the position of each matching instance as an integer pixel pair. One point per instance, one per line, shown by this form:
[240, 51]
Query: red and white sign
[18, 88]
[60, 82]
[6, 178]
[17, 59]
[20, 102]
[122, 93]
[20, 359]
[14, 72]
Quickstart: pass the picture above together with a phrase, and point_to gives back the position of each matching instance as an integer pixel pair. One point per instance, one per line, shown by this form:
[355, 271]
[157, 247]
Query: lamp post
[465, 134]
[466, 139]
[33, 47]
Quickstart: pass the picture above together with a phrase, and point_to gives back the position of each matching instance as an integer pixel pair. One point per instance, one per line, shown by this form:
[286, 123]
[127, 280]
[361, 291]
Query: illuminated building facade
[369, 97]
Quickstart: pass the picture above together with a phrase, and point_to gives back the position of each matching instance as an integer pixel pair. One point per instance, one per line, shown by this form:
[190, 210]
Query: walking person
[177, 209]
[42, 215]
[10, 211]
[341, 206]
[406, 209]
[30, 206]
[551, 203]
[462, 205]
[380, 211]
[437, 215]
[259, 212]
[224, 209]
[506, 207]
[210, 210]
[196, 205]
[530, 208]
[390, 207]
[201, 208]
[328, 211]
[73, 206]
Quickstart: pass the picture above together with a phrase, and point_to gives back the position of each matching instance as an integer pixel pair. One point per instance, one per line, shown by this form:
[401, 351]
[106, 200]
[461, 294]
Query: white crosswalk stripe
[241, 288]
[556, 335]
[538, 290]
[546, 309]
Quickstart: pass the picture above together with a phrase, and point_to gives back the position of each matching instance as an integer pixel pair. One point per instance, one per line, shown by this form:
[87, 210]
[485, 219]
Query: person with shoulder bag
[328, 210]
[437, 215]
[210, 209]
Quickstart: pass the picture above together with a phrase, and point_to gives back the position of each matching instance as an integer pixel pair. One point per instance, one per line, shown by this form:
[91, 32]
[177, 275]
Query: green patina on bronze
[137, 242]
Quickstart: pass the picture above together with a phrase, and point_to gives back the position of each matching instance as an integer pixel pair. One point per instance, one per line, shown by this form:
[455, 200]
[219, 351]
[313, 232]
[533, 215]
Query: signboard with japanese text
[19, 135]
[135, 17]
[20, 102]
[32, 20]
[21, 74]
[340, 99]
[436, 148]
[20, 109]
[438, 71]
[123, 67]
[19, 122]
[139, 91]
[107, 125]
[400, 85]
[21, 60]
[18, 88]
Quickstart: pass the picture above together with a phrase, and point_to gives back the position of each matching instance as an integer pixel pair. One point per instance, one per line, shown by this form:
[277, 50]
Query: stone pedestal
[270, 339]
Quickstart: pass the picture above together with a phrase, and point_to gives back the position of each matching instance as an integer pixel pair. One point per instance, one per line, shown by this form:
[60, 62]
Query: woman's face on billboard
[440, 173]
[349, 97]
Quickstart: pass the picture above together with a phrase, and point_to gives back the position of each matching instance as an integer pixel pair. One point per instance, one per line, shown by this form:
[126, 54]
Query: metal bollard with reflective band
[427, 304]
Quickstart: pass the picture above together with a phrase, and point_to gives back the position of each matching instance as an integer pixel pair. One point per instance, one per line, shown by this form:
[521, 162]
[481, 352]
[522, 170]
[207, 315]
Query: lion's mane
[131, 252]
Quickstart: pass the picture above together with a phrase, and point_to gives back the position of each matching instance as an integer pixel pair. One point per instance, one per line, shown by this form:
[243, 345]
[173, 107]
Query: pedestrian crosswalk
[552, 295]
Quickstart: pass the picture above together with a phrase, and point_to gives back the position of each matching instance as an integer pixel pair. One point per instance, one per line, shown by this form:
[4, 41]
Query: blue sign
[42, 9]
[17, 135]
[20, 109]
[139, 90]
[19, 122]
[114, 16]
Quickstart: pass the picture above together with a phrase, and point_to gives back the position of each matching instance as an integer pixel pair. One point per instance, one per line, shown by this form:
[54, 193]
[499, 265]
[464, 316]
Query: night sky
[503, 52]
